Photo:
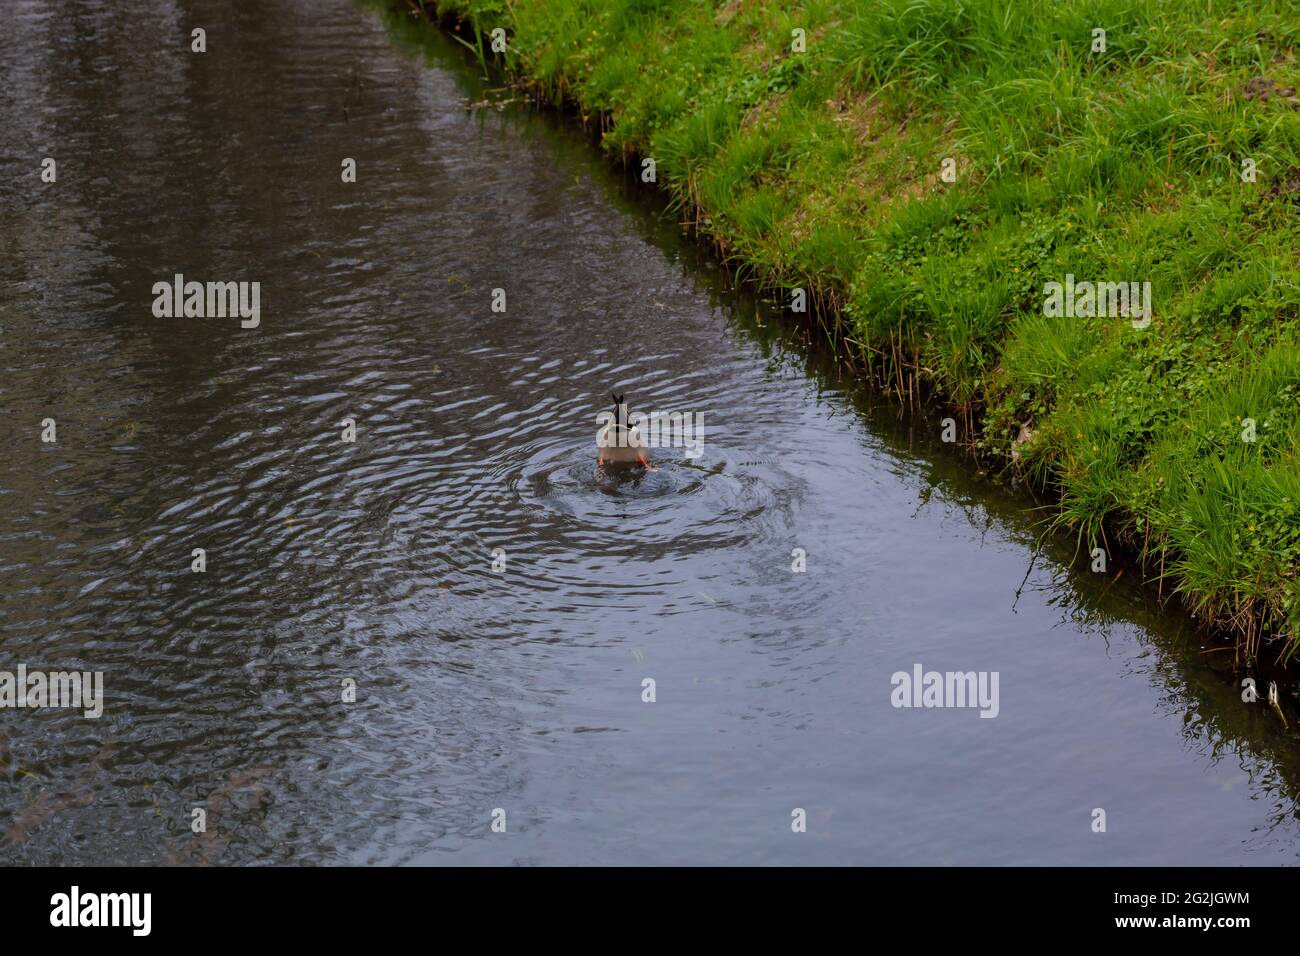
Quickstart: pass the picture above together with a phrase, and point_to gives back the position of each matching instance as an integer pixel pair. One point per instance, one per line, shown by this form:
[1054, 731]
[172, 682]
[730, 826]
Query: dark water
[518, 689]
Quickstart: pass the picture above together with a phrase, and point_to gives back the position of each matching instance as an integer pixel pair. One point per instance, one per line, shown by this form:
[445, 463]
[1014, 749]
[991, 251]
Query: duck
[619, 444]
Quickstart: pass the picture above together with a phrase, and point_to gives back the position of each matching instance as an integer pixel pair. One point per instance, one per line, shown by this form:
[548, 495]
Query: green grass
[821, 170]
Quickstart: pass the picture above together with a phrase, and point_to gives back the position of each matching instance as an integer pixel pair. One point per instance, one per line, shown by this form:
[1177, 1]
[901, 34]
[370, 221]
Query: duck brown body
[620, 444]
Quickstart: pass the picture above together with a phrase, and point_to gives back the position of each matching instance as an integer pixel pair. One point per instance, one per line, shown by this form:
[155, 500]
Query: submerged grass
[822, 170]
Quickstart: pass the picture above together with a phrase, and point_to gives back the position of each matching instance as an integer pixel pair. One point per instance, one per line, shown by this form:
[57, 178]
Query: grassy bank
[825, 169]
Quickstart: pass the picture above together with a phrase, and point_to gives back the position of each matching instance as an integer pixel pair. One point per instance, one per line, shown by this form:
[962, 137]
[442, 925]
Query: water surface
[520, 688]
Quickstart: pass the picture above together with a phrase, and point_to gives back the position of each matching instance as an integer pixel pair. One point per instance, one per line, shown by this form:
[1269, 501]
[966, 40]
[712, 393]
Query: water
[372, 561]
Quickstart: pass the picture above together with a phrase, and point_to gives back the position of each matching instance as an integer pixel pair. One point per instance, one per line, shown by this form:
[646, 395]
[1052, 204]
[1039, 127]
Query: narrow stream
[483, 687]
